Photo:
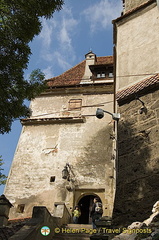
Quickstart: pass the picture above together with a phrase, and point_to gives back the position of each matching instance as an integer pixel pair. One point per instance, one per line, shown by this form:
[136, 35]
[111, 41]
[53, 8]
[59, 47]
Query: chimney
[5, 206]
[90, 60]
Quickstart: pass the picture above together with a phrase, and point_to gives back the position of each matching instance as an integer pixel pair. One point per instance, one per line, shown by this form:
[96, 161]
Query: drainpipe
[115, 143]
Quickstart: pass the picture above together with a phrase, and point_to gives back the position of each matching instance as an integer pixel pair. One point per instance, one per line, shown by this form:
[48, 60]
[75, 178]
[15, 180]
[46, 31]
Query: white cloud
[62, 61]
[48, 72]
[47, 32]
[68, 27]
[56, 36]
[101, 14]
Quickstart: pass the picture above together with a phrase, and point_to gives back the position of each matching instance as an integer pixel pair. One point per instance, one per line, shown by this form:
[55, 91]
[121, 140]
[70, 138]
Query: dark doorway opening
[85, 205]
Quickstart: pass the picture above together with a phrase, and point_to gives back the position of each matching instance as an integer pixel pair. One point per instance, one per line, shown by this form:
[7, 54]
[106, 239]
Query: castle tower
[137, 83]
[65, 154]
[128, 5]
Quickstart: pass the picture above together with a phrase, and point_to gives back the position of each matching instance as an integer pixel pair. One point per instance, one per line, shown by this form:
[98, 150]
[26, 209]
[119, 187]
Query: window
[101, 75]
[20, 208]
[110, 75]
[75, 104]
[52, 179]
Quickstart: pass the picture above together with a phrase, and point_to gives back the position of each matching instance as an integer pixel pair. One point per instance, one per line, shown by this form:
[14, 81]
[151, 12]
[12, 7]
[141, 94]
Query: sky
[81, 26]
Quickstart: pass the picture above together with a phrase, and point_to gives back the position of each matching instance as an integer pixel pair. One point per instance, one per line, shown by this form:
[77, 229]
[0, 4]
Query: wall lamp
[65, 172]
[100, 114]
[143, 109]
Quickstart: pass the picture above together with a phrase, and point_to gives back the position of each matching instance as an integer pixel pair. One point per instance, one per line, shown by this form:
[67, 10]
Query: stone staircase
[74, 232]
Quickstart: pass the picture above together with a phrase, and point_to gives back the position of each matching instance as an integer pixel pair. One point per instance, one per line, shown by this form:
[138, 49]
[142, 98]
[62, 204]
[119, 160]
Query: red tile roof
[145, 84]
[74, 75]
[18, 220]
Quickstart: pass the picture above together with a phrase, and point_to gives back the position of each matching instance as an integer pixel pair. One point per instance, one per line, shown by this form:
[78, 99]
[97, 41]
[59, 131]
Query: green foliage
[19, 23]
[2, 176]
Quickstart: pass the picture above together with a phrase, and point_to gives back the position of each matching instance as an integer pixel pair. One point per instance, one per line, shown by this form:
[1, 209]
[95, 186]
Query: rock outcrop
[146, 230]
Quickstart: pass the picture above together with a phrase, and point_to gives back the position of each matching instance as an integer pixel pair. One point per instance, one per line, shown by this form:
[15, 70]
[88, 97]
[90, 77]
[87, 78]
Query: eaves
[132, 13]
[57, 120]
[87, 88]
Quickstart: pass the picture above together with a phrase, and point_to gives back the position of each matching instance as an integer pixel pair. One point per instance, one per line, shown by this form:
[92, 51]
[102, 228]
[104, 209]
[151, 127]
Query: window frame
[75, 102]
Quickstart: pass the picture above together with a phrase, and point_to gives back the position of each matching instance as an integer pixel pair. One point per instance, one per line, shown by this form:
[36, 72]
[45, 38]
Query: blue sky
[81, 26]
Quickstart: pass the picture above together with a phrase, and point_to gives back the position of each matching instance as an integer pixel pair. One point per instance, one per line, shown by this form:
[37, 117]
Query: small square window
[52, 179]
[20, 208]
[75, 104]
[101, 75]
[110, 75]
[98, 75]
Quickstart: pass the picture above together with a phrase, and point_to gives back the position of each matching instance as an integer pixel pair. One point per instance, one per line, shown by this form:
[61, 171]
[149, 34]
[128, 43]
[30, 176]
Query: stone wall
[138, 166]
[41, 217]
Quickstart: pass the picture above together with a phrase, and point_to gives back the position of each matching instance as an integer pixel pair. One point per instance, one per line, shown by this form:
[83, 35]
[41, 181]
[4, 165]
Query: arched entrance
[85, 204]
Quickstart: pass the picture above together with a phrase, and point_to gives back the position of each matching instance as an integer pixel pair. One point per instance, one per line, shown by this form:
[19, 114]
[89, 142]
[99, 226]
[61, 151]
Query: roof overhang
[128, 14]
[143, 87]
[106, 87]
[46, 121]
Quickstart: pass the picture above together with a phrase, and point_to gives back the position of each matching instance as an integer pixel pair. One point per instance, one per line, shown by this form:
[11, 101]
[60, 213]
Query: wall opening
[20, 208]
[85, 204]
[52, 179]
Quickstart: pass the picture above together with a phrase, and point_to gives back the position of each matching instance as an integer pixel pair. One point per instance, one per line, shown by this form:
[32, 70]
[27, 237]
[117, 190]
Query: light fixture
[100, 114]
[65, 172]
[143, 109]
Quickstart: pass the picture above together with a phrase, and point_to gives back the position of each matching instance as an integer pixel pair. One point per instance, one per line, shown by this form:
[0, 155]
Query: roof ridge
[74, 75]
[70, 69]
[105, 56]
[13, 219]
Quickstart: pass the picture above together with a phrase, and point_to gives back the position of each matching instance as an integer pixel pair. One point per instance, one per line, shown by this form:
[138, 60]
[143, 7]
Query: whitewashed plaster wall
[137, 46]
[43, 151]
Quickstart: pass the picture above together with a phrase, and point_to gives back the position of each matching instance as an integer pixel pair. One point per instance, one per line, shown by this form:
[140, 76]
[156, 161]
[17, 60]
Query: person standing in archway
[76, 214]
[96, 212]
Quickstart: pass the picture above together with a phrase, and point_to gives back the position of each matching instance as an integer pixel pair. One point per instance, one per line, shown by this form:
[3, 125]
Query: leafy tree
[20, 21]
[2, 176]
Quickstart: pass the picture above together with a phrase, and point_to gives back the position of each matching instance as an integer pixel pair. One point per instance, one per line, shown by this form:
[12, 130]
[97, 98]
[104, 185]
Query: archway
[85, 204]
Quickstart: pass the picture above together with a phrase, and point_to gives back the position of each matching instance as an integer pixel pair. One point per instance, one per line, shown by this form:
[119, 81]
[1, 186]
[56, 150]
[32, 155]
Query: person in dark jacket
[96, 212]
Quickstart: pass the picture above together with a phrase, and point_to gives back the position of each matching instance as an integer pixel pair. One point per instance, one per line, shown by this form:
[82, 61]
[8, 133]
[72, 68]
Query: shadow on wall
[137, 181]
[97, 154]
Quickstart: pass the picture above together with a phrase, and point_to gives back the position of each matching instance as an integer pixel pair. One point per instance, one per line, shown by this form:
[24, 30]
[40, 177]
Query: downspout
[115, 145]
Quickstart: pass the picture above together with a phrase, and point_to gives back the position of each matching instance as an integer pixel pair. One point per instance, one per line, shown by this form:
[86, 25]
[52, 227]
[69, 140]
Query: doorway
[85, 204]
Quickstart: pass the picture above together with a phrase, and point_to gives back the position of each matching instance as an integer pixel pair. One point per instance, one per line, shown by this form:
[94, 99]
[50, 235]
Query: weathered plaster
[131, 4]
[137, 46]
[44, 149]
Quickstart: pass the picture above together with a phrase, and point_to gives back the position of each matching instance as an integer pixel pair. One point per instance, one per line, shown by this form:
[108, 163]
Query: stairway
[74, 232]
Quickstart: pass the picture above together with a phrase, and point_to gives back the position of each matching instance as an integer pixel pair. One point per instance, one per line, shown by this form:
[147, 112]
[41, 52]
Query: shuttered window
[75, 104]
